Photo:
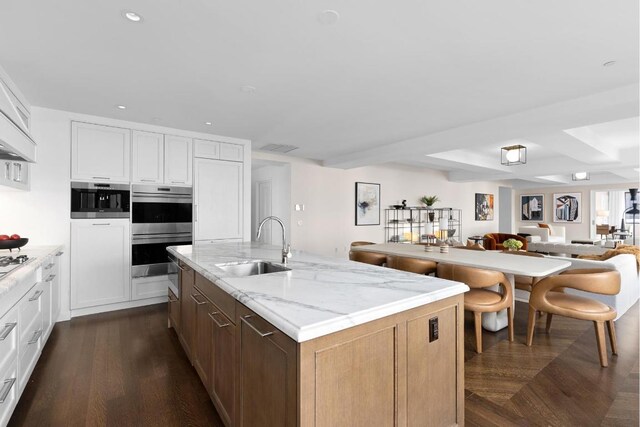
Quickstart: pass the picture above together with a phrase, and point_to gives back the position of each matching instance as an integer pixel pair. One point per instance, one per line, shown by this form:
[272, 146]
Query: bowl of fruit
[12, 242]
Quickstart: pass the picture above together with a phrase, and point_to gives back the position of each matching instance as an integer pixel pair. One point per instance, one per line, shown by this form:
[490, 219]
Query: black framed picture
[567, 207]
[532, 207]
[367, 203]
[484, 207]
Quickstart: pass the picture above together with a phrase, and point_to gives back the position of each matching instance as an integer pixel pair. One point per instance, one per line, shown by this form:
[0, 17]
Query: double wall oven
[161, 216]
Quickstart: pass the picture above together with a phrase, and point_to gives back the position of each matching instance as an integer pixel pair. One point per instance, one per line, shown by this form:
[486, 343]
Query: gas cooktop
[8, 263]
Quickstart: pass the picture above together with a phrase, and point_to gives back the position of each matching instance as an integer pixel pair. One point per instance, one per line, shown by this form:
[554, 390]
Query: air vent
[278, 148]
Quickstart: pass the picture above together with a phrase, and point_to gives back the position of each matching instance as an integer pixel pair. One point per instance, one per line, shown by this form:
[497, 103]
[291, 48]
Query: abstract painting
[567, 207]
[484, 207]
[367, 203]
[532, 207]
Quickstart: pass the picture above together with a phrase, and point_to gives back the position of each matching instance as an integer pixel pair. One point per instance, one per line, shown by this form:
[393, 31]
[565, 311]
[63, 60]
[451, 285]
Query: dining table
[509, 264]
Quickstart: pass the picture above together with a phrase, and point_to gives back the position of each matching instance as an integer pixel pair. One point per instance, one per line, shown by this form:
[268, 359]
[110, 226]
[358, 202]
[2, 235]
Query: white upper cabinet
[100, 153]
[148, 157]
[233, 152]
[178, 160]
[218, 150]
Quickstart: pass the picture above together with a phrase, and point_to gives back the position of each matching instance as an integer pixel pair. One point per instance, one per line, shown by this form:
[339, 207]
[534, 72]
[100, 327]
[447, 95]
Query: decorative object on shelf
[411, 225]
[512, 244]
[484, 207]
[580, 176]
[367, 203]
[444, 249]
[429, 201]
[404, 204]
[532, 207]
[567, 207]
[513, 155]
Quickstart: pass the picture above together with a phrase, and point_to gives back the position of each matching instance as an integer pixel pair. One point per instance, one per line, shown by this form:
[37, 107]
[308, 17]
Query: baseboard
[114, 307]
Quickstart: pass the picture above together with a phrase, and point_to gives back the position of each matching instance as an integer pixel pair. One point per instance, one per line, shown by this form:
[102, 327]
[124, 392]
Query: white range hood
[15, 141]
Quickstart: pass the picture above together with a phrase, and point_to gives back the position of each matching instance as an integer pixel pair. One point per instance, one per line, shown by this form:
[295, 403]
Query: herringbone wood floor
[126, 368]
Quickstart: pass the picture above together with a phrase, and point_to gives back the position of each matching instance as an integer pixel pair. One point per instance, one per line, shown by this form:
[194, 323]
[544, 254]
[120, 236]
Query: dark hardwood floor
[126, 368]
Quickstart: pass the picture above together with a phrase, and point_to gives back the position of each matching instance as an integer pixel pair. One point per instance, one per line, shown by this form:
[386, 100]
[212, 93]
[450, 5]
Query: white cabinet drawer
[233, 152]
[29, 355]
[8, 392]
[30, 320]
[8, 339]
[149, 287]
[206, 149]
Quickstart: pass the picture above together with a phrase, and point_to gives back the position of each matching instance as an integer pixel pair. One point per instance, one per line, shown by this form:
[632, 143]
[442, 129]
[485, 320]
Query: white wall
[327, 225]
[573, 231]
[280, 176]
[43, 214]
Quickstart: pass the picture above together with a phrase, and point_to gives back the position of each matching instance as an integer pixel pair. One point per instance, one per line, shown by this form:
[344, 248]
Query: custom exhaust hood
[15, 141]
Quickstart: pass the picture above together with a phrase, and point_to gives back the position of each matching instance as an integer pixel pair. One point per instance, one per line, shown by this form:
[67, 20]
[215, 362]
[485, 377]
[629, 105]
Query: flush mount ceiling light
[132, 16]
[580, 176]
[609, 64]
[513, 155]
[248, 88]
[208, 123]
[121, 107]
[328, 17]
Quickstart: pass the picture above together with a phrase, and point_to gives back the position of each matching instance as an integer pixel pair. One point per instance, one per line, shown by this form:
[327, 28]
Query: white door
[263, 204]
[177, 160]
[218, 202]
[100, 153]
[148, 157]
[100, 262]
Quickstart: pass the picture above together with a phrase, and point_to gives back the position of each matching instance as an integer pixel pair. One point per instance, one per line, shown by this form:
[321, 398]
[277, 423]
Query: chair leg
[531, 326]
[549, 317]
[602, 346]
[510, 317]
[612, 336]
[478, 324]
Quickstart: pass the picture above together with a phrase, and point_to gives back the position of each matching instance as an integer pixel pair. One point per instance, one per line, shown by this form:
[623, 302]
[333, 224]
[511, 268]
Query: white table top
[320, 295]
[490, 260]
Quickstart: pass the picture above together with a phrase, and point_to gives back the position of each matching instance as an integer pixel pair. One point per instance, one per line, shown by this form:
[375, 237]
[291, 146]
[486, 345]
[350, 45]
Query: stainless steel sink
[243, 269]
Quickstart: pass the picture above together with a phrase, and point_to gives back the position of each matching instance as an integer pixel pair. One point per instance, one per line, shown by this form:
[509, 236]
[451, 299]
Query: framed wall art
[484, 207]
[567, 207]
[367, 203]
[532, 207]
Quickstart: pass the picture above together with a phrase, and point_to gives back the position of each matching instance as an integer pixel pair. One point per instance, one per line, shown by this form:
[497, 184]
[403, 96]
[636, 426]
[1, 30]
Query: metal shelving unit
[422, 225]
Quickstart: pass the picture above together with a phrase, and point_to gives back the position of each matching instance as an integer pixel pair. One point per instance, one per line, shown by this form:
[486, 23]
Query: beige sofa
[557, 236]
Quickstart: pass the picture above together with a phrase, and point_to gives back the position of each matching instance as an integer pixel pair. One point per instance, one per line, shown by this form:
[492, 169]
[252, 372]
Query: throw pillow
[547, 226]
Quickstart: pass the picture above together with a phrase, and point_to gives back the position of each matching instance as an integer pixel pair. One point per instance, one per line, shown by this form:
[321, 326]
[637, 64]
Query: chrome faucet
[286, 249]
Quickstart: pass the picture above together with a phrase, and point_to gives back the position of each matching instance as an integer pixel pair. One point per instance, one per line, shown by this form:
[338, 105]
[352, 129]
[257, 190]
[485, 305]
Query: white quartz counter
[16, 283]
[320, 295]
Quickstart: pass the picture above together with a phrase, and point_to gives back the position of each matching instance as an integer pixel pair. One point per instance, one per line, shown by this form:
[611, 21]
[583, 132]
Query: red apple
[4, 237]
[15, 236]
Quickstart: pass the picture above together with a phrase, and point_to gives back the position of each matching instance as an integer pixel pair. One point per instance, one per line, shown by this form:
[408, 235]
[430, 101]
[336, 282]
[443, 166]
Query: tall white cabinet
[100, 262]
[100, 153]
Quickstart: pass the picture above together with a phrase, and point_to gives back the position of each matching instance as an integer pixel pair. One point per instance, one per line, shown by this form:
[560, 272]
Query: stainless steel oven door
[149, 253]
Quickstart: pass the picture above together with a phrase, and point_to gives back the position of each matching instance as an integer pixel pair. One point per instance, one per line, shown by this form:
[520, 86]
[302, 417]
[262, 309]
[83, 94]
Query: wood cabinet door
[203, 338]
[100, 262]
[267, 373]
[187, 310]
[148, 157]
[223, 381]
[178, 160]
[218, 201]
[100, 153]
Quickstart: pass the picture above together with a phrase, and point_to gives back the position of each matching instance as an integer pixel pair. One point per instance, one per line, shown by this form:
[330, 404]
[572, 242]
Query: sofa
[494, 241]
[555, 235]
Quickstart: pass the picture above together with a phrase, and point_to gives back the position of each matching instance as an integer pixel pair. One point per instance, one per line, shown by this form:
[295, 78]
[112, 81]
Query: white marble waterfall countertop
[320, 295]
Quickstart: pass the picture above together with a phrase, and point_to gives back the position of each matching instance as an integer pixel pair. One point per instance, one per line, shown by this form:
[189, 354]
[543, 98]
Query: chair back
[597, 280]
[361, 243]
[412, 265]
[373, 258]
[475, 278]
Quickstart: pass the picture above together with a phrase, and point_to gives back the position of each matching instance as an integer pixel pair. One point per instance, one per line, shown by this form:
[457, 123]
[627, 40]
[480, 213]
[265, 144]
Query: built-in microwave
[98, 200]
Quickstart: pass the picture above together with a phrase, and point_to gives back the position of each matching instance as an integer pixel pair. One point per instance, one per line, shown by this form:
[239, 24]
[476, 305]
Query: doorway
[270, 195]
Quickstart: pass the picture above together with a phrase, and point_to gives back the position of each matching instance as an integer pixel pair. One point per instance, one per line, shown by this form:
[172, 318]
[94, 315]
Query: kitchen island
[329, 342]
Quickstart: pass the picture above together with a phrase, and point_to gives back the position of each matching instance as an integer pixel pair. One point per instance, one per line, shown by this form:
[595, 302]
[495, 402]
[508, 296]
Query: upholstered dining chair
[361, 243]
[494, 241]
[525, 283]
[545, 297]
[373, 258]
[412, 265]
[479, 299]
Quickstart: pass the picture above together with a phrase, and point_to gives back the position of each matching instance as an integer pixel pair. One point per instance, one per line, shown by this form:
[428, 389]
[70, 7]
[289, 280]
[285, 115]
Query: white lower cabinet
[100, 262]
[8, 392]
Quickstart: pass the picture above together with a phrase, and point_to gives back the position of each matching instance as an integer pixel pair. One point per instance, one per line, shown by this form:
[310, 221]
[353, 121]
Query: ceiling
[438, 84]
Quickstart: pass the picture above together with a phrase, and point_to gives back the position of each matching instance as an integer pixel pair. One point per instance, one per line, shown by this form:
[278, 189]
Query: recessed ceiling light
[121, 107]
[248, 88]
[132, 16]
[328, 17]
[208, 123]
[609, 64]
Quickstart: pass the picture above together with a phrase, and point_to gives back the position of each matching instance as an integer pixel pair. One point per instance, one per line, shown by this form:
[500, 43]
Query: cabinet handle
[17, 167]
[101, 177]
[59, 253]
[7, 330]
[220, 325]
[36, 336]
[50, 278]
[48, 267]
[245, 320]
[178, 182]
[195, 213]
[6, 388]
[36, 295]
[148, 180]
[195, 298]
[103, 223]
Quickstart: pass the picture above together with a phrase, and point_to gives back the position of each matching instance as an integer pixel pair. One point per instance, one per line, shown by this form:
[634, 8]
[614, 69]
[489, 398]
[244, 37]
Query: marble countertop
[13, 284]
[320, 295]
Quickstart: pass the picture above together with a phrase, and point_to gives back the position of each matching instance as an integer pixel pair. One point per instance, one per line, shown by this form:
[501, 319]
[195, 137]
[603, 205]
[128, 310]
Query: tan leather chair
[479, 300]
[373, 258]
[525, 283]
[412, 265]
[361, 243]
[544, 297]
